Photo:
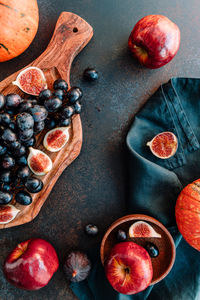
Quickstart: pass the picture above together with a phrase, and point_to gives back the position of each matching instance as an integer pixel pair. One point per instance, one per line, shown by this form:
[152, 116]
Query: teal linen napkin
[154, 185]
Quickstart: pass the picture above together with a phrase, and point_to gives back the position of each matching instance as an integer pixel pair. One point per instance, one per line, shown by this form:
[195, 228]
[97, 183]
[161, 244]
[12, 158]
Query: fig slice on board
[7, 213]
[142, 229]
[164, 145]
[31, 81]
[56, 139]
[39, 162]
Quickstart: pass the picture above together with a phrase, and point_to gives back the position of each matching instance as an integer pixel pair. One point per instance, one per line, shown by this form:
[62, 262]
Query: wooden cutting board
[70, 36]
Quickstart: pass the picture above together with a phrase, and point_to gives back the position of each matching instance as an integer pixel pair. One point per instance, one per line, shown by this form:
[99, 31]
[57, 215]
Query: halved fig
[31, 81]
[7, 213]
[56, 139]
[164, 145]
[39, 162]
[141, 229]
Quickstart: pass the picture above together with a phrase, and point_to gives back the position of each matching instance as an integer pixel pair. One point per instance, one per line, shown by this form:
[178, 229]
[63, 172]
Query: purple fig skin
[77, 266]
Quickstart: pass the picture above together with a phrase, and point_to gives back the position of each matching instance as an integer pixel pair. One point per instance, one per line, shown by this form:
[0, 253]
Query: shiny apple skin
[134, 258]
[154, 41]
[31, 264]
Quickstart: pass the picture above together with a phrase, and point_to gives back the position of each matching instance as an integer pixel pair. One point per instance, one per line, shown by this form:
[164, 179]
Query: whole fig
[77, 266]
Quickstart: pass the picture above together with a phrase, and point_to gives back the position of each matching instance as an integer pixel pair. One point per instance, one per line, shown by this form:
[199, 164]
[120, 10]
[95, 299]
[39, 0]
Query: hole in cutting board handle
[75, 29]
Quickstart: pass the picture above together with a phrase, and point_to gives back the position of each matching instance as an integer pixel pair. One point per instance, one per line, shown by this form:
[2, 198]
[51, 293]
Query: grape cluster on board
[20, 121]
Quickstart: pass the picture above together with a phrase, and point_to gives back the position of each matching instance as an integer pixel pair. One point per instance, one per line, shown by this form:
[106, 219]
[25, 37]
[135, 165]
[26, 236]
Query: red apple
[154, 41]
[129, 268]
[31, 264]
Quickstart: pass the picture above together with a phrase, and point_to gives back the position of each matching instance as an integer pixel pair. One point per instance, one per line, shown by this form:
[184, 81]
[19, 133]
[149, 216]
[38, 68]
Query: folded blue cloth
[154, 185]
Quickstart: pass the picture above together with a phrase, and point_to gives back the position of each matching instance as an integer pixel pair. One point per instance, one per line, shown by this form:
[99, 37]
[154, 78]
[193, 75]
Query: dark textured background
[93, 188]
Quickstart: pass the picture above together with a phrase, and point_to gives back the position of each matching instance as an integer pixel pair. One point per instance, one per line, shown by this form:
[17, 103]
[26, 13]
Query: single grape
[38, 127]
[90, 74]
[13, 100]
[59, 94]
[53, 104]
[24, 121]
[67, 112]
[25, 135]
[74, 94]
[38, 112]
[77, 108]
[65, 122]
[60, 84]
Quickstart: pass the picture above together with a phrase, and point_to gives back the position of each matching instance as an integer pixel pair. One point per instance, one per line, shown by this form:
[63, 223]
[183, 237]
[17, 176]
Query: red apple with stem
[31, 264]
[129, 268]
[154, 41]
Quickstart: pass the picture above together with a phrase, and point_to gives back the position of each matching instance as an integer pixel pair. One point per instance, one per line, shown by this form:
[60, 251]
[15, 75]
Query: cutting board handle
[70, 36]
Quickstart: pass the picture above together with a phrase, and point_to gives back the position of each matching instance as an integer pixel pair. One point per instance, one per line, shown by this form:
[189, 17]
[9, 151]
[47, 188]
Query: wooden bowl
[163, 263]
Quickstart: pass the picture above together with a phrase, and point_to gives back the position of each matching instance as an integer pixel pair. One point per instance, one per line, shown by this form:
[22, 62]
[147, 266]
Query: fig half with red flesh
[7, 213]
[164, 145]
[31, 81]
[39, 162]
[141, 229]
[56, 139]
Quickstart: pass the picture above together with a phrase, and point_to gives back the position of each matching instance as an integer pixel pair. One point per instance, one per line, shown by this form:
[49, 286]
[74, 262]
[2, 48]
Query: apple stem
[126, 270]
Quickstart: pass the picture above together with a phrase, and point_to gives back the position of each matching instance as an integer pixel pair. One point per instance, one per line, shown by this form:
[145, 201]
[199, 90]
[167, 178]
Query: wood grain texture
[71, 35]
[163, 263]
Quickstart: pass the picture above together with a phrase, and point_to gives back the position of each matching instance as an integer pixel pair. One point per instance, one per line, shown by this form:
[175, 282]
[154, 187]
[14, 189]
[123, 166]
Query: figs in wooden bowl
[163, 262]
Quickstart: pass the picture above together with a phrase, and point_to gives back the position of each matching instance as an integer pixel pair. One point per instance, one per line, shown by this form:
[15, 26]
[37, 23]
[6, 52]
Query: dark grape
[11, 112]
[5, 198]
[91, 229]
[2, 101]
[50, 123]
[121, 235]
[3, 149]
[60, 84]
[59, 94]
[5, 176]
[15, 145]
[5, 119]
[152, 249]
[38, 112]
[25, 135]
[8, 136]
[77, 108]
[12, 126]
[44, 95]
[53, 104]
[23, 198]
[74, 94]
[33, 185]
[23, 173]
[65, 122]
[13, 100]
[22, 161]
[30, 143]
[38, 127]
[19, 151]
[67, 112]
[5, 187]
[90, 74]
[24, 121]
[33, 101]
[8, 162]
[24, 106]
